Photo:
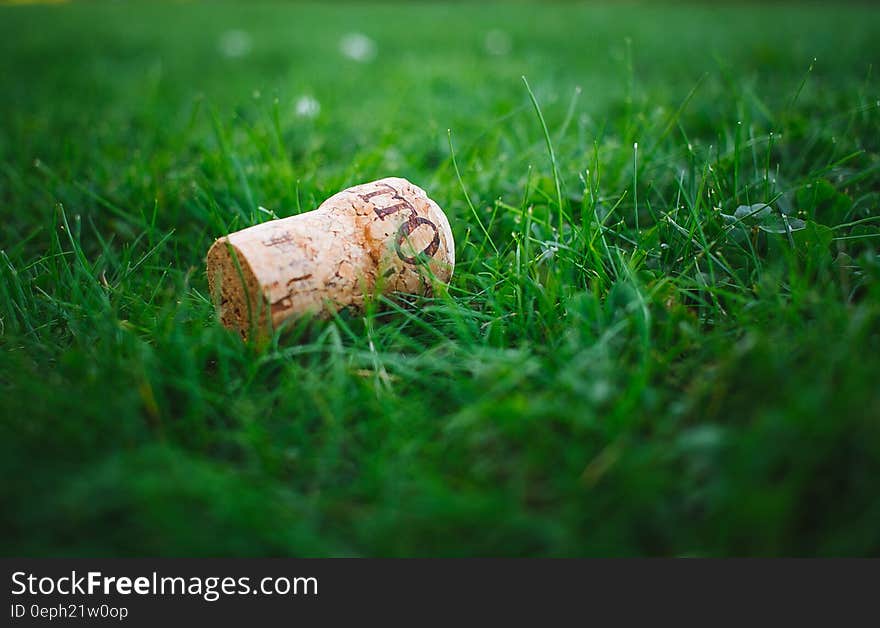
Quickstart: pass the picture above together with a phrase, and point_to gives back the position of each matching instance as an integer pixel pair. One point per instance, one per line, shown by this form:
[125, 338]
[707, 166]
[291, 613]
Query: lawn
[662, 336]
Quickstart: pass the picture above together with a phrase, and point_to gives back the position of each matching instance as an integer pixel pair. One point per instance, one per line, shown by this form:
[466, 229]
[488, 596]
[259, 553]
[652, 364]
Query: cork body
[385, 236]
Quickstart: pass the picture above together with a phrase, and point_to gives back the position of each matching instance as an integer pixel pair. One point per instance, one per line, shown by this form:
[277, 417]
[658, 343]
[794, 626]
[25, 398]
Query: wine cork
[386, 236]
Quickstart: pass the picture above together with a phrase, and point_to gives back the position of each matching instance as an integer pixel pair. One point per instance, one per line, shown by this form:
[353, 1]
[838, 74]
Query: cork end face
[236, 292]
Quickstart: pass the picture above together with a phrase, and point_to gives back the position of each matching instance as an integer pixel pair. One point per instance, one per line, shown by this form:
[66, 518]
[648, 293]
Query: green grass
[622, 365]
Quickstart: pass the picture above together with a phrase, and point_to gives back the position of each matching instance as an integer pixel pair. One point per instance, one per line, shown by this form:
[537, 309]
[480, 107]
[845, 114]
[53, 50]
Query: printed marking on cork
[413, 221]
[387, 233]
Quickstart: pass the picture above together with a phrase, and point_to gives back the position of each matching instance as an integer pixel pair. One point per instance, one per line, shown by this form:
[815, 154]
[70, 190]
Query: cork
[384, 237]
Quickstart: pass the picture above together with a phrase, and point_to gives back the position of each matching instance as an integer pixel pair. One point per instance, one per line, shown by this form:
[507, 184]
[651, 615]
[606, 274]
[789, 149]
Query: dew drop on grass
[235, 43]
[358, 47]
[307, 107]
[498, 43]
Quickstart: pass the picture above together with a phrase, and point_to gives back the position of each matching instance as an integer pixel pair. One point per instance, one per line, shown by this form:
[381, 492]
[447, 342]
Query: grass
[624, 364]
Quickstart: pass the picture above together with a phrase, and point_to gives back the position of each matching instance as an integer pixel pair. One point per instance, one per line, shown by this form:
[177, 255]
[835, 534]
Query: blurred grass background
[653, 374]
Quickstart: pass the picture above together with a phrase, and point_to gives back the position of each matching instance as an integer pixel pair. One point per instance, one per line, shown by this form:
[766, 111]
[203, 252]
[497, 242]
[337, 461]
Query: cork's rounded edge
[442, 224]
[236, 291]
[340, 200]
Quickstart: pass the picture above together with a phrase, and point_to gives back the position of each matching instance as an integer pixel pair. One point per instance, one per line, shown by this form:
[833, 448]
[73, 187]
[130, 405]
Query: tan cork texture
[386, 235]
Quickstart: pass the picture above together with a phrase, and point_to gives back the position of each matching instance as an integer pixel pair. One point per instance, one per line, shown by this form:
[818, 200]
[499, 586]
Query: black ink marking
[406, 228]
[283, 240]
[300, 278]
